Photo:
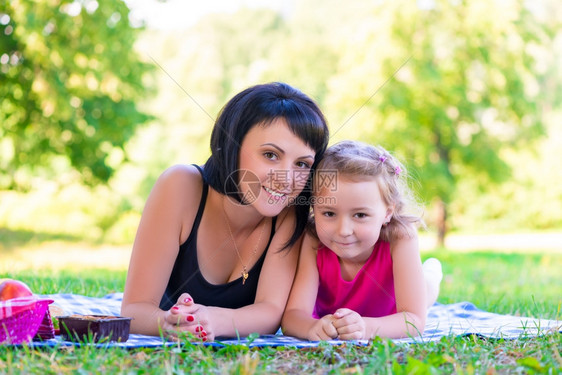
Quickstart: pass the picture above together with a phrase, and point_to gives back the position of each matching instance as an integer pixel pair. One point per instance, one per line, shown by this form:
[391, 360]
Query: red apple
[10, 288]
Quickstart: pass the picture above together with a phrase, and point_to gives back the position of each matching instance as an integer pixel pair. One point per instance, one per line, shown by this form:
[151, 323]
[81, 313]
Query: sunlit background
[99, 97]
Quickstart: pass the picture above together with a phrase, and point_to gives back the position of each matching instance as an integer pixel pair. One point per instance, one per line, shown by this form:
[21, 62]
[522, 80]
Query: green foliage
[68, 212]
[478, 87]
[532, 198]
[69, 79]
[467, 80]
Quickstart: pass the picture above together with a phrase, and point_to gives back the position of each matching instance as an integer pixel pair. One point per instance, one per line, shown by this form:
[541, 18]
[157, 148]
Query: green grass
[93, 283]
[520, 284]
[506, 283]
[12, 239]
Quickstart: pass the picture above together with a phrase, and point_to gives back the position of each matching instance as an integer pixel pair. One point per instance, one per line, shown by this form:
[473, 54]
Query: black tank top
[187, 278]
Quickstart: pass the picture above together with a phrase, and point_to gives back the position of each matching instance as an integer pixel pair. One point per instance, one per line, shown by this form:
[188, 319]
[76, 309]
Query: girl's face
[349, 216]
[274, 167]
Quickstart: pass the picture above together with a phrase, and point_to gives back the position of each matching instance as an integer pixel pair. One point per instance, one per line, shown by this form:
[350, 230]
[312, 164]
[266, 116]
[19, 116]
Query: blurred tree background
[95, 105]
[70, 82]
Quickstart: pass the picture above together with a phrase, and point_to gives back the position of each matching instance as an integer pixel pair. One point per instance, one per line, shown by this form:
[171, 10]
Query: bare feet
[433, 275]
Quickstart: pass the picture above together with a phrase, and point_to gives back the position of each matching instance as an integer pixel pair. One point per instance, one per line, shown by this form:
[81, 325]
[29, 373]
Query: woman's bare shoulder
[183, 177]
[175, 197]
[181, 173]
[180, 184]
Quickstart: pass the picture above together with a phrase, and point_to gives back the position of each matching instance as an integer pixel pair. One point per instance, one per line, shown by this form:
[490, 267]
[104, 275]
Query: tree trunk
[441, 221]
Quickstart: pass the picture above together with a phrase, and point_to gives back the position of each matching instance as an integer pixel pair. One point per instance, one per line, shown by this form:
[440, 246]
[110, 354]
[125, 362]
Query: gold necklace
[244, 272]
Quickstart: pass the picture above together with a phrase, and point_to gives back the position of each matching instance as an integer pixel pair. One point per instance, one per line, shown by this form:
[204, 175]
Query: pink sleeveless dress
[370, 293]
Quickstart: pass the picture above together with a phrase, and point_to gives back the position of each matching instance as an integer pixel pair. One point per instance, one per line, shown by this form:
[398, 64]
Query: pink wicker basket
[21, 318]
[46, 329]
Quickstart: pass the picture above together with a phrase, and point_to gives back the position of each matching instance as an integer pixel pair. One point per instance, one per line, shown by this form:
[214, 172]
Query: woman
[217, 247]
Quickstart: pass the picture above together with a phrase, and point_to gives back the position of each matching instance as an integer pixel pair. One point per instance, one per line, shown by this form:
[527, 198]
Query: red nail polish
[190, 318]
[198, 328]
[203, 334]
[175, 308]
[187, 300]
[204, 339]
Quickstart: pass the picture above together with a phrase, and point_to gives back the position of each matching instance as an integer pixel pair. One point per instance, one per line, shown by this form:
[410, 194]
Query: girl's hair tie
[382, 158]
[397, 170]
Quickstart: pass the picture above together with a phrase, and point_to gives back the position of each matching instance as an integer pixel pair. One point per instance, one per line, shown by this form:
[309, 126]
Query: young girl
[359, 272]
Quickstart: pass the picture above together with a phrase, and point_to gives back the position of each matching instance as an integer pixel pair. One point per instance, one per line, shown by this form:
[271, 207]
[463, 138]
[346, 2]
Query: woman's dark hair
[262, 104]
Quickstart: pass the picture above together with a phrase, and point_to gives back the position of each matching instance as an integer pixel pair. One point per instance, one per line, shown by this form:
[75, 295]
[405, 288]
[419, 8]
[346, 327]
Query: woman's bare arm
[167, 217]
[276, 277]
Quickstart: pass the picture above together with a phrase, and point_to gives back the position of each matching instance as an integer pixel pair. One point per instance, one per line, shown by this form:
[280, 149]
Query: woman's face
[274, 167]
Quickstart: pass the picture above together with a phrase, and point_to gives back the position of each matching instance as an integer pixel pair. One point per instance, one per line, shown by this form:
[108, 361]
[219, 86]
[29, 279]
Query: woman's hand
[323, 329]
[187, 316]
[349, 324]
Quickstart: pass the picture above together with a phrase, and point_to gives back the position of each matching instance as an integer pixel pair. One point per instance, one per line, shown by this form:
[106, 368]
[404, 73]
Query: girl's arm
[410, 290]
[297, 319]
[167, 217]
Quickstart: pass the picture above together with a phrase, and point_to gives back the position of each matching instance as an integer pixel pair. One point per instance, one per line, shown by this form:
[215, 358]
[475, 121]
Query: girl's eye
[270, 155]
[328, 214]
[360, 215]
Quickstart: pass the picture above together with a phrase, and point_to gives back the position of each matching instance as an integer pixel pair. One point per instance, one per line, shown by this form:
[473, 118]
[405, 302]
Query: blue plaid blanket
[458, 319]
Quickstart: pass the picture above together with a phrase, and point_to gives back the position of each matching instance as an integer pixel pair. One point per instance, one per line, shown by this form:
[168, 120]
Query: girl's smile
[350, 221]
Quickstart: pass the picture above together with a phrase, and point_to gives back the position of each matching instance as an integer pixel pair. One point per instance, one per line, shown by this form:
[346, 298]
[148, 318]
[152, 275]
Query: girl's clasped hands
[344, 324]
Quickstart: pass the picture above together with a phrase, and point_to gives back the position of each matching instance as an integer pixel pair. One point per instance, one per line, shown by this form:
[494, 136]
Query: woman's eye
[303, 164]
[270, 155]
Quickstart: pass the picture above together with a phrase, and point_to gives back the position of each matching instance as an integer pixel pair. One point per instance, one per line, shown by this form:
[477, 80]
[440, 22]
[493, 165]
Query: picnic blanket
[458, 319]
